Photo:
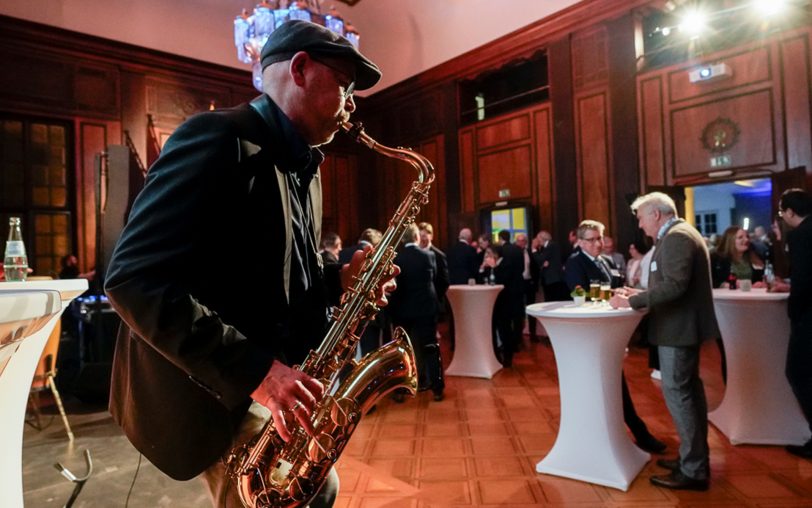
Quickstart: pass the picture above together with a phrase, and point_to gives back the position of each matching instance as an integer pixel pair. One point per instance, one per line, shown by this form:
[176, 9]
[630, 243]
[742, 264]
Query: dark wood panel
[467, 170]
[96, 89]
[747, 68]
[590, 59]
[795, 71]
[754, 146]
[503, 131]
[592, 140]
[92, 141]
[435, 212]
[652, 137]
[506, 169]
[545, 178]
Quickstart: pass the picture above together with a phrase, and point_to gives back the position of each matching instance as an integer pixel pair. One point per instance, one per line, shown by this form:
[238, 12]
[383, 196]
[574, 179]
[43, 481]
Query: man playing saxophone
[198, 367]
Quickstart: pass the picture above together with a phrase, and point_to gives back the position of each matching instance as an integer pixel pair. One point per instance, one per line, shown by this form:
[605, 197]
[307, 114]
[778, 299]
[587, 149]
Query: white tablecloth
[589, 342]
[41, 303]
[473, 343]
[758, 406]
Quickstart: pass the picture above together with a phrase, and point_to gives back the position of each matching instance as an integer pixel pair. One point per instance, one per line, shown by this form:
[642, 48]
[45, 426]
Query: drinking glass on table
[594, 290]
[606, 292]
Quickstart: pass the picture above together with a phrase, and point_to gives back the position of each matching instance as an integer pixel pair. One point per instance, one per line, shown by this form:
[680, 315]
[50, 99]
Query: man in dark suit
[585, 265]
[200, 367]
[370, 237]
[509, 273]
[796, 210]
[530, 281]
[462, 259]
[680, 302]
[441, 278]
[414, 307]
[330, 247]
[551, 270]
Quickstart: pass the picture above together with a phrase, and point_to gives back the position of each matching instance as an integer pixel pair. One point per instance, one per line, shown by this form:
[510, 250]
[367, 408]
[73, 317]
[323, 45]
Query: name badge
[614, 272]
[653, 266]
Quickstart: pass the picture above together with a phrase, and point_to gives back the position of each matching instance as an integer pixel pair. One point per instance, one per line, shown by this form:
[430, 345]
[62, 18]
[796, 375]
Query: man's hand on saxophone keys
[353, 268]
[290, 395]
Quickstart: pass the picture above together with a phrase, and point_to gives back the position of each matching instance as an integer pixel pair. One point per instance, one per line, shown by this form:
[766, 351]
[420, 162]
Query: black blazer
[462, 263]
[554, 271]
[800, 257]
[195, 346]
[415, 296]
[579, 270]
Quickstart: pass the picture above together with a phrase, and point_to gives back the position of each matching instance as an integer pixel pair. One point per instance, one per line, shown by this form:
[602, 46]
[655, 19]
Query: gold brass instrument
[272, 473]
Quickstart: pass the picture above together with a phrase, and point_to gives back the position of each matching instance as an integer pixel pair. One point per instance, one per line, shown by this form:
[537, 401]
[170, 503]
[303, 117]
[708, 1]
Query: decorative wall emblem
[720, 135]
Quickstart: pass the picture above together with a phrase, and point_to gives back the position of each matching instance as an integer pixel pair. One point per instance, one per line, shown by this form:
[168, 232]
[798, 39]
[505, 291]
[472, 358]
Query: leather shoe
[670, 464]
[438, 396]
[678, 481]
[803, 451]
[651, 444]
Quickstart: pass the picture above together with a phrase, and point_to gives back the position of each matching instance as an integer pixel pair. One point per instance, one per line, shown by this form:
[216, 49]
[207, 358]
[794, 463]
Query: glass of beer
[594, 290]
[606, 292]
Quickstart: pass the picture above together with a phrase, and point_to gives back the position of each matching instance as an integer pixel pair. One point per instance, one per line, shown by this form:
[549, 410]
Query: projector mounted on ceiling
[712, 72]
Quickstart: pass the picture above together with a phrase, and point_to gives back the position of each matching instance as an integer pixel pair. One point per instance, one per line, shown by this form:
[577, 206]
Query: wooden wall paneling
[623, 138]
[435, 212]
[91, 140]
[503, 131]
[795, 59]
[564, 151]
[467, 170]
[590, 57]
[507, 168]
[748, 67]
[752, 113]
[348, 194]
[651, 132]
[545, 176]
[593, 161]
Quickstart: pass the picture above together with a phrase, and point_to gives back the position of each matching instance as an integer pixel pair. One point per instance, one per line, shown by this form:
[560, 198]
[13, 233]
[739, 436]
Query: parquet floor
[476, 448]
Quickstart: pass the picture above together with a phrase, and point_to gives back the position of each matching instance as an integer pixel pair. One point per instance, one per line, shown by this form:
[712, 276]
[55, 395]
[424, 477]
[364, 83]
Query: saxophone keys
[322, 447]
[345, 412]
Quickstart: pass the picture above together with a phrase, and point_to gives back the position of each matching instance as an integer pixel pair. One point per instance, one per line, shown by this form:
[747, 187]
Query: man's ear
[298, 65]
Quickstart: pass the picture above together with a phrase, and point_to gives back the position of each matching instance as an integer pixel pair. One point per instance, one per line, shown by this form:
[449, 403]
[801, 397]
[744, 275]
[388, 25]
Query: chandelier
[251, 31]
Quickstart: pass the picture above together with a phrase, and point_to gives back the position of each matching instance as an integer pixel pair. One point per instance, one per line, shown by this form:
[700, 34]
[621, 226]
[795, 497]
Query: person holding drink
[587, 264]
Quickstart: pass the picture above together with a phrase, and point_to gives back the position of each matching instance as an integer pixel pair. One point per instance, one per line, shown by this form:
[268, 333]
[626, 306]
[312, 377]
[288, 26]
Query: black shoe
[651, 444]
[438, 396]
[670, 464]
[678, 481]
[803, 451]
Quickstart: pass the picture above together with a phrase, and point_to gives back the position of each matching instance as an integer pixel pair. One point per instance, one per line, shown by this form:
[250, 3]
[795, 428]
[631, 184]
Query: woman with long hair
[735, 255]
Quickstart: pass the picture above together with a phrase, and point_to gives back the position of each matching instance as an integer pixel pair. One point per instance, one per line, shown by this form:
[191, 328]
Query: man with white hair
[680, 303]
[462, 259]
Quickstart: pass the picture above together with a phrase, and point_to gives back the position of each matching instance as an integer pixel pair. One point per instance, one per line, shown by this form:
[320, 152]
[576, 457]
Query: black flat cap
[297, 35]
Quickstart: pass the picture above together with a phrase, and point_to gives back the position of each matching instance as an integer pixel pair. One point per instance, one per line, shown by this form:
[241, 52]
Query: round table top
[585, 310]
[477, 287]
[753, 294]
[67, 288]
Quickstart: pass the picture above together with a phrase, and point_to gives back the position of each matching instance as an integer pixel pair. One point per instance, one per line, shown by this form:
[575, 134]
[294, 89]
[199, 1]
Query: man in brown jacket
[680, 302]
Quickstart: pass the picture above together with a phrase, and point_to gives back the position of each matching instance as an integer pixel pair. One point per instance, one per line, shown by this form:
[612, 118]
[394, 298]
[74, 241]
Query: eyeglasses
[593, 239]
[348, 89]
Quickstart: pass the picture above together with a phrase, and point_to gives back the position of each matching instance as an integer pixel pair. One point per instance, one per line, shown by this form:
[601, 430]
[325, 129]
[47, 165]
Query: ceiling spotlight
[768, 7]
[693, 23]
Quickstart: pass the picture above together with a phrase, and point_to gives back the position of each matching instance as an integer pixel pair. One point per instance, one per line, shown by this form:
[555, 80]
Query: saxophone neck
[421, 164]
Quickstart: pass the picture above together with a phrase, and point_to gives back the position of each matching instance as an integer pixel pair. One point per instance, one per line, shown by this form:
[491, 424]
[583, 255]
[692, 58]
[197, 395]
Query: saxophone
[271, 473]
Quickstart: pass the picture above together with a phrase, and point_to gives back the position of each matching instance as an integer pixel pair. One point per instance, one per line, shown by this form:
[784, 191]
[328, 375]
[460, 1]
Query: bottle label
[15, 248]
